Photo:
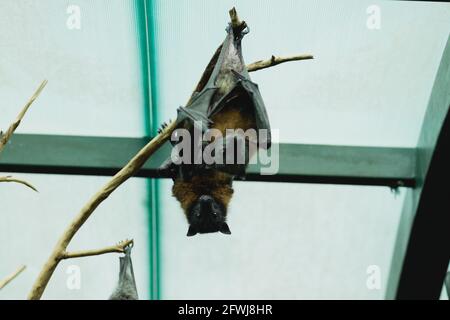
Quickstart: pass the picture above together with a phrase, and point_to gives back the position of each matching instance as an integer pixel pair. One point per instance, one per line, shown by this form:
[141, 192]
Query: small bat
[126, 287]
[225, 98]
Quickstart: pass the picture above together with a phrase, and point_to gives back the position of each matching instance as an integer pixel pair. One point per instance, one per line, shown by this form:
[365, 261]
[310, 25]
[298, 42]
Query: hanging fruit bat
[225, 98]
[126, 287]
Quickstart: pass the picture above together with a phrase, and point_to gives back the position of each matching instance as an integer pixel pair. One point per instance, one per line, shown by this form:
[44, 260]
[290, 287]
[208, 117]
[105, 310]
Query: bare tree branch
[273, 61]
[7, 135]
[119, 248]
[4, 137]
[11, 179]
[120, 177]
[11, 277]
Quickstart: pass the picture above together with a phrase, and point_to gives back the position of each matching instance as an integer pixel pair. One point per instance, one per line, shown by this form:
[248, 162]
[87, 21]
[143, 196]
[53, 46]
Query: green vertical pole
[146, 34]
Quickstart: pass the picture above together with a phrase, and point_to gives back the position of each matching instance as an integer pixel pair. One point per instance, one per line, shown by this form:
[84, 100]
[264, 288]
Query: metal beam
[53, 154]
[147, 42]
[428, 252]
[418, 265]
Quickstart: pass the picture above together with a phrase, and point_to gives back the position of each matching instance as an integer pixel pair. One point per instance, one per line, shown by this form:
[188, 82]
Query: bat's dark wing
[245, 87]
[208, 100]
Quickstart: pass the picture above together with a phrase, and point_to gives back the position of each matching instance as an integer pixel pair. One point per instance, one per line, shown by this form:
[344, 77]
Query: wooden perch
[273, 61]
[120, 177]
[119, 248]
[11, 277]
[11, 179]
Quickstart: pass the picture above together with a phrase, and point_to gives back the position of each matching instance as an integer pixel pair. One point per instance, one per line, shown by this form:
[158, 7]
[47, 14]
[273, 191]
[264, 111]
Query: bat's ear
[191, 231]
[225, 229]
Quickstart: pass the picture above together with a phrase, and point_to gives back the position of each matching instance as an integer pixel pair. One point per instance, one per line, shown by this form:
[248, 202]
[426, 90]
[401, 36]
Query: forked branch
[7, 135]
[4, 137]
[120, 177]
[119, 248]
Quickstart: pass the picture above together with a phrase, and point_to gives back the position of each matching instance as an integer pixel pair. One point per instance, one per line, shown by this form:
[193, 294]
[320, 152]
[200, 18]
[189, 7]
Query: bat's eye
[215, 208]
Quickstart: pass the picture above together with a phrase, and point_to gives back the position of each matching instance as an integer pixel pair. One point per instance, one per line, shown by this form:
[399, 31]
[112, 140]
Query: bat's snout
[206, 198]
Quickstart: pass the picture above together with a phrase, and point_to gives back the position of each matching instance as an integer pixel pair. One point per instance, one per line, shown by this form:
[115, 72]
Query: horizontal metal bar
[53, 154]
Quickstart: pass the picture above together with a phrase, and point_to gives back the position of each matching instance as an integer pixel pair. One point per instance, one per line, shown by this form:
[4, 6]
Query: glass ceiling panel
[94, 72]
[288, 241]
[94, 88]
[31, 224]
[364, 87]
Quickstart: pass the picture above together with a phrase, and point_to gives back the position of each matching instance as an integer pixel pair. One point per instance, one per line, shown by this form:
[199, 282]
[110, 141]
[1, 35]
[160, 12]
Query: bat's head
[207, 215]
[205, 200]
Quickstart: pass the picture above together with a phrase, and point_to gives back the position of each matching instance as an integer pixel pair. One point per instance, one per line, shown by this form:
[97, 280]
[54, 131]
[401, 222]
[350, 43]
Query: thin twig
[239, 25]
[119, 248]
[7, 135]
[273, 61]
[4, 137]
[11, 277]
[11, 179]
[120, 177]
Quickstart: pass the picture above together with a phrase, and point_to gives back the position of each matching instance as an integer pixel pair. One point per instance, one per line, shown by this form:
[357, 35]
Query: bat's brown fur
[233, 117]
[215, 183]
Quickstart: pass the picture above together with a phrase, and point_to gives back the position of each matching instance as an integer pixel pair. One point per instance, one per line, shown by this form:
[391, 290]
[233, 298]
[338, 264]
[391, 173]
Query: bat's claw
[163, 126]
